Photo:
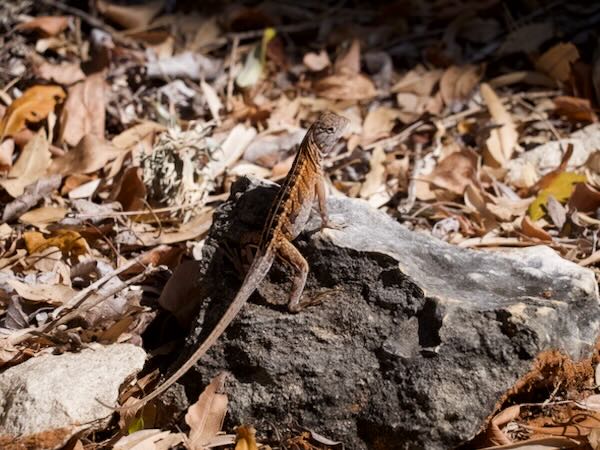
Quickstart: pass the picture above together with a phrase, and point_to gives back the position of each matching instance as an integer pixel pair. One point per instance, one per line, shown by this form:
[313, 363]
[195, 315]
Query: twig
[78, 299]
[68, 316]
[232, 57]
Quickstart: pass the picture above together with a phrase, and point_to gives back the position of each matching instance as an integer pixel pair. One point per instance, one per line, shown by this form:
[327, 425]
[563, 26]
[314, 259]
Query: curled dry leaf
[30, 197]
[7, 148]
[44, 215]
[65, 73]
[455, 172]
[53, 294]
[30, 167]
[502, 141]
[458, 83]
[84, 111]
[375, 179]
[92, 153]
[556, 62]
[33, 106]
[130, 190]
[134, 16]
[379, 124]
[584, 198]
[345, 86]
[349, 62]
[418, 81]
[316, 61]
[575, 109]
[532, 230]
[45, 25]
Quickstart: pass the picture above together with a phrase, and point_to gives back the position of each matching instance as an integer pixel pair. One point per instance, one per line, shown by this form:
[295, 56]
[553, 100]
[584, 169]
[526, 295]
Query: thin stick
[232, 57]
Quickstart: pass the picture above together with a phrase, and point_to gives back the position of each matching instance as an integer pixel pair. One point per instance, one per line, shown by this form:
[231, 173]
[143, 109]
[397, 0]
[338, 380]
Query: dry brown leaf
[130, 190]
[531, 229]
[205, 417]
[44, 215]
[45, 25]
[179, 295]
[378, 124]
[316, 61]
[575, 109]
[475, 200]
[7, 148]
[53, 294]
[84, 111]
[584, 198]
[30, 167]
[135, 16]
[133, 136]
[65, 73]
[527, 77]
[33, 106]
[418, 81]
[455, 172]
[193, 229]
[349, 62]
[375, 179]
[149, 439]
[502, 141]
[556, 62]
[92, 153]
[458, 83]
[345, 86]
[30, 197]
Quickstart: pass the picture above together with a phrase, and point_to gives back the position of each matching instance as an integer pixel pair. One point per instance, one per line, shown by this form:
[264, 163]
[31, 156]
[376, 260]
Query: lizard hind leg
[289, 253]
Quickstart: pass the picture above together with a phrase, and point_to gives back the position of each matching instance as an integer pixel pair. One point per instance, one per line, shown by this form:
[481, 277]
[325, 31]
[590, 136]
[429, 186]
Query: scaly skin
[286, 220]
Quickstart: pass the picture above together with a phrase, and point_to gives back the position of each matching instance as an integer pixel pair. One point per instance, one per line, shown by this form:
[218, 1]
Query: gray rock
[414, 342]
[63, 392]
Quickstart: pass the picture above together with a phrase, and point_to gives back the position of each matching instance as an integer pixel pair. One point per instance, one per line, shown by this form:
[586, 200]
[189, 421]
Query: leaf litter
[126, 134]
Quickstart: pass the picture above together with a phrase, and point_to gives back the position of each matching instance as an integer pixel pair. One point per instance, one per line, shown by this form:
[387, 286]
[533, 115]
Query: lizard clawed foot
[313, 301]
[333, 225]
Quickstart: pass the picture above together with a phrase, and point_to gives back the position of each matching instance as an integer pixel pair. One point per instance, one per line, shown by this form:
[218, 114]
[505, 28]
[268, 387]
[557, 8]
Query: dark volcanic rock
[414, 342]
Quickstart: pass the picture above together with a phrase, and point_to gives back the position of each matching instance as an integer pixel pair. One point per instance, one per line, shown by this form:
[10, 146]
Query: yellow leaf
[33, 106]
[136, 425]
[246, 438]
[255, 61]
[68, 241]
[560, 188]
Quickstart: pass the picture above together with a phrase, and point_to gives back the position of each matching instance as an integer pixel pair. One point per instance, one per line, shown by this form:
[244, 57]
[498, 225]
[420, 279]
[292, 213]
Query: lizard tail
[258, 270]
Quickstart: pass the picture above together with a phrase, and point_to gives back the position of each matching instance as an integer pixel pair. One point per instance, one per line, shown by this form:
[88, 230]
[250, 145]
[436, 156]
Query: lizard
[287, 218]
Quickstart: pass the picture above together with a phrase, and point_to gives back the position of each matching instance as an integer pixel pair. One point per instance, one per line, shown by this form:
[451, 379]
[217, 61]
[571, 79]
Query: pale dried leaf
[30, 167]
[65, 73]
[375, 179]
[205, 417]
[212, 99]
[84, 111]
[502, 141]
[346, 86]
[151, 439]
[45, 25]
[316, 61]
[92, 153]
[52, 294]
[458, 83]
[30, 197]
[44, 215]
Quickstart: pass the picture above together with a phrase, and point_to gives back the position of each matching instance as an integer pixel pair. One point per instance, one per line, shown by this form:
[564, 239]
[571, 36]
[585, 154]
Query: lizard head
[327, 130]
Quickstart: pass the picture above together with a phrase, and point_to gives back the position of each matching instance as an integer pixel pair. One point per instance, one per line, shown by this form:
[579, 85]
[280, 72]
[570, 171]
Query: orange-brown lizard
[286, 220]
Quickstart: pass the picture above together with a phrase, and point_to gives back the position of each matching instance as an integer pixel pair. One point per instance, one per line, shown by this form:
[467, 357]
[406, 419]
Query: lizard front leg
[290, 254]
[322, 199]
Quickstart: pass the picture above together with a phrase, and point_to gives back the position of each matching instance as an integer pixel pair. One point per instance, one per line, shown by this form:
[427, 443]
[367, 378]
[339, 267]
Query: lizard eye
[330, 130]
